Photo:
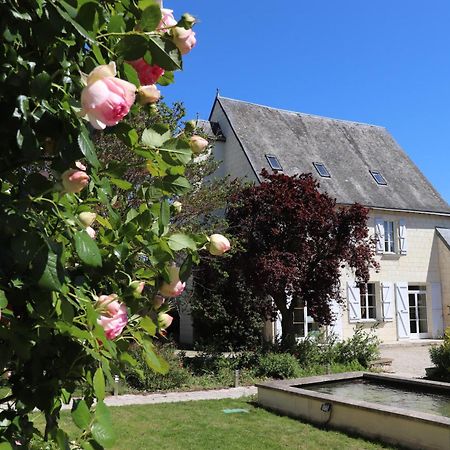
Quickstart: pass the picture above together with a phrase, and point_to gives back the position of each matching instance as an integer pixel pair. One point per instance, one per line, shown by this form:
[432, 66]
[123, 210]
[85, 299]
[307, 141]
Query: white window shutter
[436, 311]
[387, 301]
[403, 243]
[379, 233]
[336, 328]
[402, 304]
[354, 301]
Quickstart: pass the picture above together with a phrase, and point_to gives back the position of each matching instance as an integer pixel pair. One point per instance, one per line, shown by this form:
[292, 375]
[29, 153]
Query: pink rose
[113, 315]
[147, 74]
[197, 144]
[106, 100]
[218, 244]
[175, 287]
[184, 39]
[164, 320]
[149, 94]
[167, 20]
[75, 180]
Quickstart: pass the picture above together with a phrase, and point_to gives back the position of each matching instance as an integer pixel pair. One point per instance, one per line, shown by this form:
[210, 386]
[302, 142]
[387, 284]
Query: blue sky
[381, 62]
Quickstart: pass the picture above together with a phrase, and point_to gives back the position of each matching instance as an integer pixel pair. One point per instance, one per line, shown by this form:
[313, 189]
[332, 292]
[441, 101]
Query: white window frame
[390, 236]
[364, 302]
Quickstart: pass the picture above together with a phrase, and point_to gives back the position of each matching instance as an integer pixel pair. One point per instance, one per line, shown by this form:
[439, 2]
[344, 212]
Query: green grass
[202, 425]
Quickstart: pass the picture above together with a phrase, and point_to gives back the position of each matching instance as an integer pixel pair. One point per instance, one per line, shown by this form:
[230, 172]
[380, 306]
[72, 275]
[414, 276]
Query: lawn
[203, 425]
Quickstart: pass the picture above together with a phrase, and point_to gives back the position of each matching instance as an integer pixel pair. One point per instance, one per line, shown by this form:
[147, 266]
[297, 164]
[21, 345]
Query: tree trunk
[288, 340]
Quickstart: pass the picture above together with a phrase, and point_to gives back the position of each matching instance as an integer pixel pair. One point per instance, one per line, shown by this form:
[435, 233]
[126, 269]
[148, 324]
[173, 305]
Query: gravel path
[409, 359]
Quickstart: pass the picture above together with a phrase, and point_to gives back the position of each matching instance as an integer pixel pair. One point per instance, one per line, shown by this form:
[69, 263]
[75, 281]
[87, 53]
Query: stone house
[409, 297]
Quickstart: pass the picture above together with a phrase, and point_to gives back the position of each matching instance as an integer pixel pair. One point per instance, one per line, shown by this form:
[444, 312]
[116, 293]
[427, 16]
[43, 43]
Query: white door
[417, 298]
[401, 302]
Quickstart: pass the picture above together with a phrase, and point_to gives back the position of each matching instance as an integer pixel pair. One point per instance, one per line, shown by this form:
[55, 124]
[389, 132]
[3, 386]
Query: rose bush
[59, 331]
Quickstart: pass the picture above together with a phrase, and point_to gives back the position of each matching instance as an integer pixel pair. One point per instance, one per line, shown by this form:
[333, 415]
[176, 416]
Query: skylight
[378, 177]
[322, 170]
[274, 163]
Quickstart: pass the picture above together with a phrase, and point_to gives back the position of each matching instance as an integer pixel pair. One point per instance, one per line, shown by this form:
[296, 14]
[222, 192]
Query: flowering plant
[79, 276]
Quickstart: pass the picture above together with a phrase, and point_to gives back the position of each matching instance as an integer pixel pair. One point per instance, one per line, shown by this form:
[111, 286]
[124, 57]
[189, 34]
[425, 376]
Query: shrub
[440, 357]
[144, 379]
[361, 347]
[278, 365]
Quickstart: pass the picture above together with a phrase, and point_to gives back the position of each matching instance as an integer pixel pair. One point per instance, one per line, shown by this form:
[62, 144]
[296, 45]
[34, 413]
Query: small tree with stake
[297, 240]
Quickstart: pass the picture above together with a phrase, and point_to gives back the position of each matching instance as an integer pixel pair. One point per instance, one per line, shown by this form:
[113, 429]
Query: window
[322, 170]
[378, 177]
[274, 163]
[364, 301]
[368, 303]
[391, 236]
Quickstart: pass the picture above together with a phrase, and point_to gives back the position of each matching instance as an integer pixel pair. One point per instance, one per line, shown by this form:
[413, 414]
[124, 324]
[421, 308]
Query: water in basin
[399, 396]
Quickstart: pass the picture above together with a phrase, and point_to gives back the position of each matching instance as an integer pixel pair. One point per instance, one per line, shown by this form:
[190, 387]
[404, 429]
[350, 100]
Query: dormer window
[322, 170]
[274, 163]
[378, 177]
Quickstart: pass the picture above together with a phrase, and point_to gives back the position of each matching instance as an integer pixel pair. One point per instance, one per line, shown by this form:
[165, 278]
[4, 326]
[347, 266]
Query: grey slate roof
[348, 150]
[444, 234]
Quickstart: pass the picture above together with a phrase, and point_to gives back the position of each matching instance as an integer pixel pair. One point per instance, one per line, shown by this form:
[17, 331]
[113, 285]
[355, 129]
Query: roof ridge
[302, 113]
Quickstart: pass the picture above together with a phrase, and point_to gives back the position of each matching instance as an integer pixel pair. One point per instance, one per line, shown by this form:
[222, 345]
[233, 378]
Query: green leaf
[87, 249]
[154, 361]
[156, 135]
[3, 299]
[81, 415]
[122, 184]
[150, 18]
[102, 430]
[180, 241]
[87, 147]
[186, 268]
[178, 149]
[99, 384]
[62, 439]
[148, 325]
[173, 185]
[131, 75]
[116, 24]
[132, 47]
[5, 446]
[41, 85]
[74, 23]
[166, 79]
[165, 53]
[51, 277]
[98, 54]
[164, 216]
[103, 222]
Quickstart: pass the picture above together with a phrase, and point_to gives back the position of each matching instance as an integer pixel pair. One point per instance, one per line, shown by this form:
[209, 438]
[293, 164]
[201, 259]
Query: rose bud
[175, 287]
[164, 320]
[158, 300]
[148, 94]
[218, 244]
[87, 218]
[113, 315]
[148, 74]
[91, 232]
[190, 125]
[106, 100]
[74, 180]
[178, 206]
[198, 144]
[137, 287]
[184, 39]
